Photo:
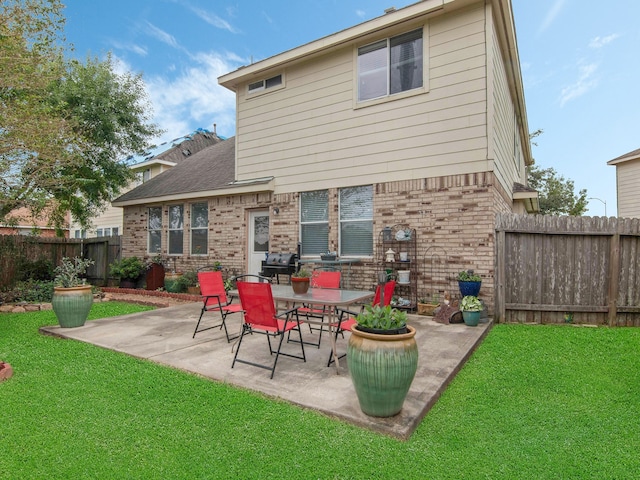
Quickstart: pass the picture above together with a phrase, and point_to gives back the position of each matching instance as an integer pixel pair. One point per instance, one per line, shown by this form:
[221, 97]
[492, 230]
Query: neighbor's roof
[635, 155]
[176, 150]
[209, 172]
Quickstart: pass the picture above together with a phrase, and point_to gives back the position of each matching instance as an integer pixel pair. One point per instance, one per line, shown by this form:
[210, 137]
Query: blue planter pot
[469, 288]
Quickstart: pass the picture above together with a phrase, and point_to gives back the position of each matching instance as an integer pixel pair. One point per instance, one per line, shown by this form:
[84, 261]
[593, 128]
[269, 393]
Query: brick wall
[453, 216]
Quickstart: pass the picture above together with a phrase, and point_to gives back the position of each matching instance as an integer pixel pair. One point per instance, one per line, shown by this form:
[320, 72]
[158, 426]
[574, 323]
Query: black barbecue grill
[279, 264]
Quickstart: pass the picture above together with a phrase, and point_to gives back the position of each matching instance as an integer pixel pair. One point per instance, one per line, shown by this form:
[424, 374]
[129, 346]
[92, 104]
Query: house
[416, 117]
[22, 222]
[627, 181]
[152, 163]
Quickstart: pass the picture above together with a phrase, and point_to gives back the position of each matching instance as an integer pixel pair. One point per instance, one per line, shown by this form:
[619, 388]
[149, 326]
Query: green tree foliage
[65, 126]
[556, 195]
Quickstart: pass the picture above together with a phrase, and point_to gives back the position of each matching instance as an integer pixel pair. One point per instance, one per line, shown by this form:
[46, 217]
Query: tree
[556, 195]
[65, 126]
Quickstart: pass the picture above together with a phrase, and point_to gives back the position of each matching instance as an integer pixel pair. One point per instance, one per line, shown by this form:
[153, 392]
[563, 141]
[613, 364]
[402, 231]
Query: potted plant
[128, 270]
[189, 282]
[72, 297]
[427, 305]
[300, 281]
[471, 308]
[469, 283]
[382, 355]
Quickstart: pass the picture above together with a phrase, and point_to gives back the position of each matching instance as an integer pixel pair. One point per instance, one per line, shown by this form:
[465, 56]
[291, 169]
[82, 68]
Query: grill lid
[285, 259]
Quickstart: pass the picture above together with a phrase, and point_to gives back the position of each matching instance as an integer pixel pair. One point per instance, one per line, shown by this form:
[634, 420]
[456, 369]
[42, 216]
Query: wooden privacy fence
[13, 248]
[567, 270]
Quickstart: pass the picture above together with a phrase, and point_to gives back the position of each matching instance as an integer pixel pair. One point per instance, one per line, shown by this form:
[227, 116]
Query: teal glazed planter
[471, 318]
[72, 305]
[382, 368]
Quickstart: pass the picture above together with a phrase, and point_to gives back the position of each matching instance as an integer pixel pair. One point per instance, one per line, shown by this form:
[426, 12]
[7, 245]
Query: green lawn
[533, 402]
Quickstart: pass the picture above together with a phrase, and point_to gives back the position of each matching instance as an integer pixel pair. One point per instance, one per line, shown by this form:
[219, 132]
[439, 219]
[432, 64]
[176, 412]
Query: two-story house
[416, 117]
[627, 181]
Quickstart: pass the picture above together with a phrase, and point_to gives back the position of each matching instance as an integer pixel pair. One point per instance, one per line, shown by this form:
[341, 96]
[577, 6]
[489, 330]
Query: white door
[258, 240]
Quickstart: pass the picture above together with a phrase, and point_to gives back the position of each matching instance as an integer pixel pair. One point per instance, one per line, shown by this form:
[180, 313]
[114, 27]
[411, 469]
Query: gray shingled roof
[209, 169]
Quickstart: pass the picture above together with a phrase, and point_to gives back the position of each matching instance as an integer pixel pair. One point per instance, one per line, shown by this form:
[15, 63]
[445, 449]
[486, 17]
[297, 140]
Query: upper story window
[265, 84]
[314, 222]
[390, 66]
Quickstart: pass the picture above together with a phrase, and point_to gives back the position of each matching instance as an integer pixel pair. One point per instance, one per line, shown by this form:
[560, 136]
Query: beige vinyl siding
[309, 135]
[628, 175]
[506, 148]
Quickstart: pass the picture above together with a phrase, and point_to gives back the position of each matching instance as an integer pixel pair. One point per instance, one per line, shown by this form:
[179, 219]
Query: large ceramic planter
[72, 305]
[300, 285]
[382, 368]
[471, 318]
[469, 288]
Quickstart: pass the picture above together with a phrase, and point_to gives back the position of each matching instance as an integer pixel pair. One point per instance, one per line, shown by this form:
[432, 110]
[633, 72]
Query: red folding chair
[260, 316]
[344, 324]
[214, 297]
[320, 279]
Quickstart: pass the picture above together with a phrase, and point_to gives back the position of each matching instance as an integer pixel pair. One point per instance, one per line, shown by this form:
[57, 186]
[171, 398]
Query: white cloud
[599, 42]
[361, 13]
[551, 15]
[161, 35]
[131, 47]
[584, 84]
[194, 99]
[214, 20]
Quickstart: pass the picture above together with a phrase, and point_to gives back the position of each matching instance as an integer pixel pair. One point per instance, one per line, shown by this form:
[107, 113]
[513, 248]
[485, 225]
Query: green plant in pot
[471, 308]
[469, 283]
[188, 282]
[382, 356]
[128, 270]
[72, 297]
[300, 281]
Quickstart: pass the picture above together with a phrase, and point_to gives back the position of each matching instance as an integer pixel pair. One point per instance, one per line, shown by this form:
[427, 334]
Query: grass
[532, 402]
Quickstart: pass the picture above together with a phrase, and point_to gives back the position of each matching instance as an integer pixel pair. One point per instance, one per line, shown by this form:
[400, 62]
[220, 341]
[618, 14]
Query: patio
[164, 336]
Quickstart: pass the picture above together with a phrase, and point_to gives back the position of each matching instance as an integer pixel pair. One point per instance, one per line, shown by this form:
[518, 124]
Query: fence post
[499, 313]
[614, 272]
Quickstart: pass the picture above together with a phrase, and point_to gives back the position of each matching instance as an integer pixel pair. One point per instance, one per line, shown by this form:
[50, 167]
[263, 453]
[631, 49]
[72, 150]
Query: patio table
[329, 297]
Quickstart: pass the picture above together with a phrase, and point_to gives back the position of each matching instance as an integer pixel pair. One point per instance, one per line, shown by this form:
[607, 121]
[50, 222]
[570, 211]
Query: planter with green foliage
[300, 281]
[128, 270]
[72, 297]
[382, 355]
[471, 308]
[469, 283]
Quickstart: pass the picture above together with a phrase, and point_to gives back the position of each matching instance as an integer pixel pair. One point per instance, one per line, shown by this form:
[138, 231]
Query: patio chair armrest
[286, 313]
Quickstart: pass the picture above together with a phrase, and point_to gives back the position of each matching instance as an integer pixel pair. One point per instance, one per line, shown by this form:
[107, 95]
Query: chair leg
[204, 309]
[338, 331]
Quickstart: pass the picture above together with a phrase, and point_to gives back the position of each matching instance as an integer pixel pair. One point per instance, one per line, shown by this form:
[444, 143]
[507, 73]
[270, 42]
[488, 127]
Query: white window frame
[317, 222]
[199, 228]
[265, 85]
[387, 95]
[361, 217]
[173, 229]
[150, 230]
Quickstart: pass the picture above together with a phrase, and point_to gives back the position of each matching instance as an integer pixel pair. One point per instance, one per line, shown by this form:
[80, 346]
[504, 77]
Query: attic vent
[186, 152]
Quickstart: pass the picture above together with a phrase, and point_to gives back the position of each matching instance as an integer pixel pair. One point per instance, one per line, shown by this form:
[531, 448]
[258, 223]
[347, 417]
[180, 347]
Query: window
[356, 221]
[154, 229]
[390, 66]
[80, 234]
[176, 226]
[199, 228]
[115, 231]
[103, 232]
[265, 84]
[314, 222]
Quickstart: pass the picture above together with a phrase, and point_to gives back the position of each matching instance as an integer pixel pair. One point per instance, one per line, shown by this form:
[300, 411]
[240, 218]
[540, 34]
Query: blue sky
[580, 65]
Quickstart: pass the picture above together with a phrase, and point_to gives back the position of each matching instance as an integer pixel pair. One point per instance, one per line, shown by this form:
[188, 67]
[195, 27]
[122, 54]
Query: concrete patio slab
[164, 336]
